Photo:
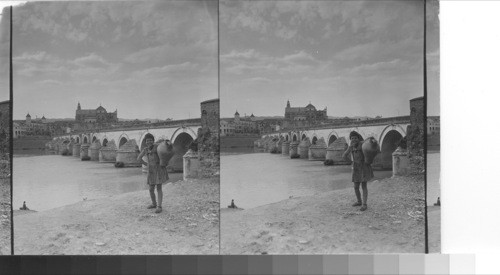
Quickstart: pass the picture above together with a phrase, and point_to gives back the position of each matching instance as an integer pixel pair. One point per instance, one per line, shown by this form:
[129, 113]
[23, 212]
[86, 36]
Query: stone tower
[210, 115]
[28, 119]
[78, 107]
[236, 117]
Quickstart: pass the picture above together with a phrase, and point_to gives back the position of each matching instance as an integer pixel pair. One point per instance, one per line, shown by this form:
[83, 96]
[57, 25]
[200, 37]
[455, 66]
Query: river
[262, 178]
[433, 177]
[51, 181]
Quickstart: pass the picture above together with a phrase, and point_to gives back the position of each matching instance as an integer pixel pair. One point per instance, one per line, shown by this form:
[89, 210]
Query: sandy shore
[121, 224]
[327, 223]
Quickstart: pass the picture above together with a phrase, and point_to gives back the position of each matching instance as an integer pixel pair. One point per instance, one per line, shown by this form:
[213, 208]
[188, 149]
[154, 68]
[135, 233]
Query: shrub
[275, 150]
[119, 164]
[328, 162]
[85, 158]
[295, 156]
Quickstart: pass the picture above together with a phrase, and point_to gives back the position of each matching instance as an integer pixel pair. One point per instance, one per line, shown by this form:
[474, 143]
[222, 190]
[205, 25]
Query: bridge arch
[122, 140]
[332, 136]
[85, 139]
[77, 139]
[105, 141]
[295, 137]
[314, 139]
[389, 139]
[389, 128]
[304, 135]
[94, 138]
[183, 130]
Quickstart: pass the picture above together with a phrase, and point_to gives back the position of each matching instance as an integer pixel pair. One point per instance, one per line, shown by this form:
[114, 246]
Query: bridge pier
[76, 150]
[335, 151]
[84, 151]
[304, 148]
[294, 148]
[318, 151]
[285, 148]
[191, 165]
[400, 162]
[94, 150]
[128, 153]
[107, 153]
[70, 148]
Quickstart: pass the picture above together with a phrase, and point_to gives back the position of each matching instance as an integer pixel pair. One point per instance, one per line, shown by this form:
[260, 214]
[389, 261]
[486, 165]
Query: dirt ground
[327, 223]
[5, 220]
[434, 228]
[189, 224]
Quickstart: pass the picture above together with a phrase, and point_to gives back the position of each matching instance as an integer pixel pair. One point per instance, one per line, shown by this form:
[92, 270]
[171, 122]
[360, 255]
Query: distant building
[99, 115]
[31, 127]
[238, 125]
[303, 116]
[433, 125]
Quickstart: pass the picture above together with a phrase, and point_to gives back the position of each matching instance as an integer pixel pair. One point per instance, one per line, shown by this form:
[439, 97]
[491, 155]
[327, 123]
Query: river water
[433, 177]
[262, 178]
[51, 181]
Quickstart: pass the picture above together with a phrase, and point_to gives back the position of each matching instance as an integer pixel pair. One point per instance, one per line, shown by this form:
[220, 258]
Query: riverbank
[327, 223]
[121, 224]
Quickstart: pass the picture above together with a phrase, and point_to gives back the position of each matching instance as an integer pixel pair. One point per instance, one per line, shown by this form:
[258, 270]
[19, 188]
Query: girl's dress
[361, 171]
[156, 173]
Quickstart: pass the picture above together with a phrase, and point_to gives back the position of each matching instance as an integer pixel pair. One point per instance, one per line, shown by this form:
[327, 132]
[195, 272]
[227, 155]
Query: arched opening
[104, 142]
[314, 140]
[77, 139]
[332, 139]
[181, 146]
[94, 139]
[85, 140]
[143, 143]
[294, 138]
[286, 138]
[123, 140]
[389, 145]
[303, 136]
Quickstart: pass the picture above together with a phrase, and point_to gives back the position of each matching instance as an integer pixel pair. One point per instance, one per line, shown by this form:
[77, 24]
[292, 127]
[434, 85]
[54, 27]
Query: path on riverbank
[327, 223]
[121, 224]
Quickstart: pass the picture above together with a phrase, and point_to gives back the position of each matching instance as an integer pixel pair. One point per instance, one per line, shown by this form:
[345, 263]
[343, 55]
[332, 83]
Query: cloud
[252, 62]
[91, 60]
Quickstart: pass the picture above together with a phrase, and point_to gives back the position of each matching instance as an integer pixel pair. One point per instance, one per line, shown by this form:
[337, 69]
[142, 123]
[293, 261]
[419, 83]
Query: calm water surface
[433, 177]
[262, 178]
[51, 181]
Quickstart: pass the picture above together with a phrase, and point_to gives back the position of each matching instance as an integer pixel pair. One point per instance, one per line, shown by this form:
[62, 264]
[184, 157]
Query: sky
[152, 59]
[357, 58]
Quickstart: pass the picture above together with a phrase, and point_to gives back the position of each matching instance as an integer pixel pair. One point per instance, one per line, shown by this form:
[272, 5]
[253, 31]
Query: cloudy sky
[152, 59]
[353, 57]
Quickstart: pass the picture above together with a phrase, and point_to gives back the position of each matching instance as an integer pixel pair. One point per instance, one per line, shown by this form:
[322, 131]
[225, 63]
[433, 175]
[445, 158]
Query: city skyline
[359, 58]
[152, 60]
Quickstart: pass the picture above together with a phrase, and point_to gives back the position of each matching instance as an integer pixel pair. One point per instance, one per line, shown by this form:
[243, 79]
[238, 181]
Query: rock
[303, 242]
[100, 244]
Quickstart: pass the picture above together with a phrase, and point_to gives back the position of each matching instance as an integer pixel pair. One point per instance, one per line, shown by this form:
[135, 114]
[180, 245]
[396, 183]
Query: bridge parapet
[371, 122]
[181, 123]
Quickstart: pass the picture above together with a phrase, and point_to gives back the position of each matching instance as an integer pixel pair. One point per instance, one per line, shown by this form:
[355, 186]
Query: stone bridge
[124, 144]
[387, 131]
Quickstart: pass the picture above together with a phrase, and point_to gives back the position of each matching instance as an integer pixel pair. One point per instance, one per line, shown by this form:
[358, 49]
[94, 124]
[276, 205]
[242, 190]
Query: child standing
[361, 171]
[157, 175]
